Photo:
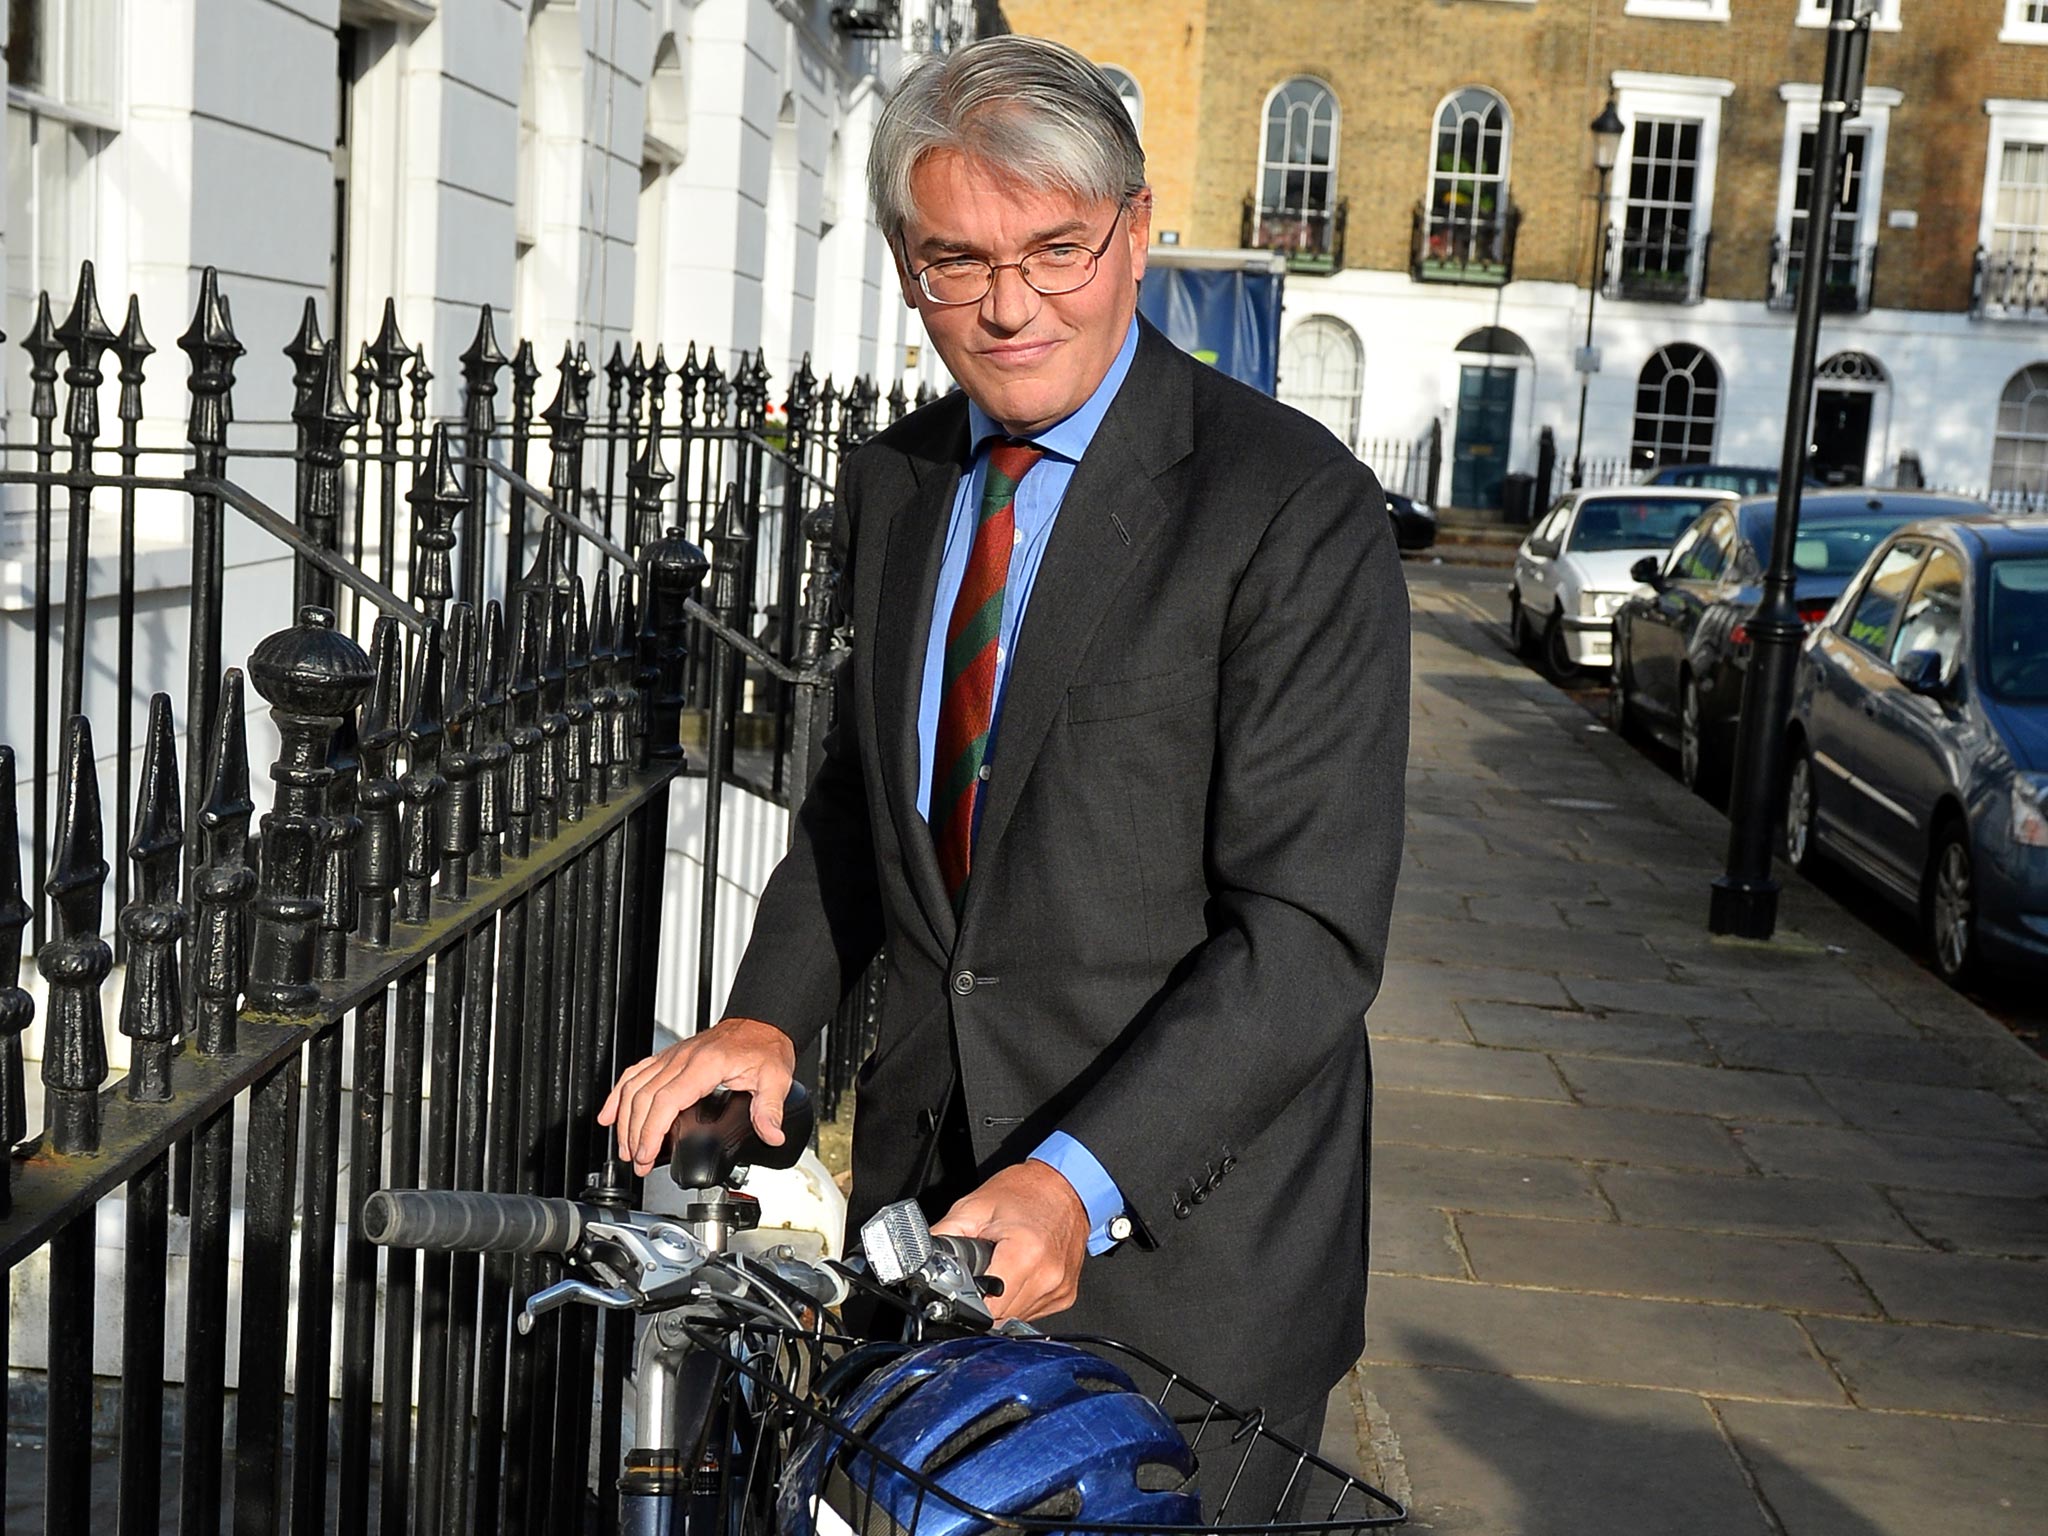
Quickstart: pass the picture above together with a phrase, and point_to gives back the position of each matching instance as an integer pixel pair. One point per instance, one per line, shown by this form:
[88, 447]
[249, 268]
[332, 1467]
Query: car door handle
[1870, 708]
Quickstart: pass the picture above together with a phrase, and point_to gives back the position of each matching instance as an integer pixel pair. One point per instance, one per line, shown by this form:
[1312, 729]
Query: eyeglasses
[1050, 270]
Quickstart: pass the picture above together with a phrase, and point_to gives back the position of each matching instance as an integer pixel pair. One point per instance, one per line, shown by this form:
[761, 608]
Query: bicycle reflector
[1021, 1429]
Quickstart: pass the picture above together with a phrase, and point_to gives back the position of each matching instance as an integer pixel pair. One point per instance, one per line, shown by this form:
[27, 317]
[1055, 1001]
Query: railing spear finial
[223, 885]
[17, 1008]
[75, 963]
[152, 1011]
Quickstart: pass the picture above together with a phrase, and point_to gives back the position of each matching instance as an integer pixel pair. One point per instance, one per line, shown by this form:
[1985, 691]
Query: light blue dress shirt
[1035, 510]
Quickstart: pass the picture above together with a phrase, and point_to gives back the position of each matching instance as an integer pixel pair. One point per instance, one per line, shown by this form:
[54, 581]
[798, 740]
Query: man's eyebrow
[935, 245]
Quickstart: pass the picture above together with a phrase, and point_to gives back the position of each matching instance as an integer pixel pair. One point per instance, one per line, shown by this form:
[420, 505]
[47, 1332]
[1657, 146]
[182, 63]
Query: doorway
[1486, 422]
[1841, 436]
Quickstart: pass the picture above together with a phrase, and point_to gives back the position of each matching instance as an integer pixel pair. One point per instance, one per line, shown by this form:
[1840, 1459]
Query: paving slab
[1924, 1110]
[1565, 951]
[1720, 1092]
[2008, 1294]
[1449, 1067]
[1837, 1472]
[1578, 1131]
[1666, 999]
[1911, 1162]
[1613, 1340]
[1490, 1455]
[1844, 1004]
[1989, 1224]
[1775, 1048]
[1411, 1239]
[1665, 1264]
[1770, 1207]
[1454, 1180]
[1938, 1370]
[1632, 1036]
[1420, 980]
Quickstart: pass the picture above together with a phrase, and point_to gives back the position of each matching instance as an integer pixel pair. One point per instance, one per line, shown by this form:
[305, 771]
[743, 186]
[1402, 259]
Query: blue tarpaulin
[1229, 317]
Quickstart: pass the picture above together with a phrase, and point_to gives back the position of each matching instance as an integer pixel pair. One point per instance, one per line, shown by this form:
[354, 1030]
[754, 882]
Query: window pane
[1870, 622]
[1934, 614]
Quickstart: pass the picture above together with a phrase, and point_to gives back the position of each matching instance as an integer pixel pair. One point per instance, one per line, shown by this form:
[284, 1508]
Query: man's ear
[904, 280]
[1140, 220]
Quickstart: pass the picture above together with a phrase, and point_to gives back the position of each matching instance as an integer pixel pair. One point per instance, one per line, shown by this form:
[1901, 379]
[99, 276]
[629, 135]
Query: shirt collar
[1068, 438]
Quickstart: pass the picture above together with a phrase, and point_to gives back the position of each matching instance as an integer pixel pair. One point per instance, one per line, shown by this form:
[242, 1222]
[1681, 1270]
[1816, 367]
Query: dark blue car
[1919, 736]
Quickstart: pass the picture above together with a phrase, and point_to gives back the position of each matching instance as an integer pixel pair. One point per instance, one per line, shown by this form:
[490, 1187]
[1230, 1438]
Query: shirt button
[1017, 539]
[981, 773]
[963, 982]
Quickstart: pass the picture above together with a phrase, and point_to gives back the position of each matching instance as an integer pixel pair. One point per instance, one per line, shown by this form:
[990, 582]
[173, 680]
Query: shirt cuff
[1100, 1197]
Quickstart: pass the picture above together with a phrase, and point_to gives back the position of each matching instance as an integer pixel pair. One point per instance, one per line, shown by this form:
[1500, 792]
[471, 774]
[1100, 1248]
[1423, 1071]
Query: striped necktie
[968, 677]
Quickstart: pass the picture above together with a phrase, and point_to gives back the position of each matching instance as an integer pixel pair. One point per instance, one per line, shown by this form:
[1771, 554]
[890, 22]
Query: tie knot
[1012, 458]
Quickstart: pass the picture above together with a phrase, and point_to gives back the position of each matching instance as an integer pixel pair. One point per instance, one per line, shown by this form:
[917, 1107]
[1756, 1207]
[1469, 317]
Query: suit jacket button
[963, 982]
[1181, 1208]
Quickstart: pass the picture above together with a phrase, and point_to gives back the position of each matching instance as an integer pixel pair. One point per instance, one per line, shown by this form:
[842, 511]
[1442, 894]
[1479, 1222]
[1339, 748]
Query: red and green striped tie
[969, 675]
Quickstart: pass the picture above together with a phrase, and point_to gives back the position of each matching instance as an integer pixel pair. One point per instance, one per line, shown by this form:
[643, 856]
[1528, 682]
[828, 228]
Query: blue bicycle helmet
[1020, 1428]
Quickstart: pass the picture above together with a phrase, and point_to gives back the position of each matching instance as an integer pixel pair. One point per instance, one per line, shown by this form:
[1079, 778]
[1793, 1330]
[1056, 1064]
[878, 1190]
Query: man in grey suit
[1115, 781]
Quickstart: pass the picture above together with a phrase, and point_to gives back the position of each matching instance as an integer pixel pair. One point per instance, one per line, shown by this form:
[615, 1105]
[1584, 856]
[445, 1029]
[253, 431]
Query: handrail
[251, 506]
[574, 524]
[766, 660]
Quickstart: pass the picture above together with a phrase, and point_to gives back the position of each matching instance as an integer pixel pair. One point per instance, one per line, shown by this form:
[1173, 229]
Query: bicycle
[757, 1413]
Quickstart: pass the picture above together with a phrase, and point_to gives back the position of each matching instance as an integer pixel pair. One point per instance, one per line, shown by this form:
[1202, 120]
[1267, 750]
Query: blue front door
[1486, 420]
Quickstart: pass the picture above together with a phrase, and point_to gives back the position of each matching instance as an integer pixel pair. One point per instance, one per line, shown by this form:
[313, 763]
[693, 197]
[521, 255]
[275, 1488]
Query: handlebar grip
[716, 1135]
[973, 1253]
[469, 1221]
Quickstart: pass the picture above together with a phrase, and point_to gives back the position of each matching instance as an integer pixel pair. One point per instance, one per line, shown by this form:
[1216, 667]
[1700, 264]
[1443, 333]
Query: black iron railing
[1412, 466]
[459, 884]
[1653, 268]
[1454, 247]
[1311, 239]
[1845, 286]
[2009, 285]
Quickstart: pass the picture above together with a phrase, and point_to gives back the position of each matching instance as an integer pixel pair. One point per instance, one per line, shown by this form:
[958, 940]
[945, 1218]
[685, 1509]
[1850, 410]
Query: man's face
[1027, 359]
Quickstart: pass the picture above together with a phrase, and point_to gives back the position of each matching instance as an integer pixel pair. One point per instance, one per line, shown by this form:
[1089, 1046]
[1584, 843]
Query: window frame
[1261, 212]
[1134, 102]
[1503, 179]
[1936, 549]
[1814, 14]
[1323, 324]
[1677, 10]
[1802, 115]
[1695, 98]
[1701, 354]
[1846, 618]
[1999, 435]
[2012, 122]
[2017, 29]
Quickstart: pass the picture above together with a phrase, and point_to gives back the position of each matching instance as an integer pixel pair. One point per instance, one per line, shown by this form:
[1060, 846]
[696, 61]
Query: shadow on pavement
[1490, 1454]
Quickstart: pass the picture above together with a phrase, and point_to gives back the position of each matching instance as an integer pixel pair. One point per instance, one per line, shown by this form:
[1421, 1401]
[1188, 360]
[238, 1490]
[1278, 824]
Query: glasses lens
[1060, 268]
[956, 282]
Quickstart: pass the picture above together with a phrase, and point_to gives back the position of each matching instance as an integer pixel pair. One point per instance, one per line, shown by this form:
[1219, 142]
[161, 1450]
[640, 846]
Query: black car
[1918, 751]
[1414, 523]
[1681, 650]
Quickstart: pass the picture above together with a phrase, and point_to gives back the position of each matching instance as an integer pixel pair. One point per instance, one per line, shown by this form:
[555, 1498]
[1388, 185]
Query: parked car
[1742, 479]
[1919, 737]
[1681, 646]
[1572, 571]
[1414, 522]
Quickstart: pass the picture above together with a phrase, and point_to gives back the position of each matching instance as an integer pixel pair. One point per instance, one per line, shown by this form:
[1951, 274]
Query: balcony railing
[1846, 289]
[2011, 285]
[867, 18]
[1651, 269]
[1481, 250]
[1312, 240]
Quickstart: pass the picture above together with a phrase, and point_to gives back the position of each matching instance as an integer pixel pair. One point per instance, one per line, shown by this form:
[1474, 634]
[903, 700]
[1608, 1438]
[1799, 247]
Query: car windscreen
[1743, 482]
[1623, 522]
[1834, 547]
[2016, 628]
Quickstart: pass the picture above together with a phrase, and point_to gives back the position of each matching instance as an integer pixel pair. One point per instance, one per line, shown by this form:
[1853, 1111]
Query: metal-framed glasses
[1050, 270]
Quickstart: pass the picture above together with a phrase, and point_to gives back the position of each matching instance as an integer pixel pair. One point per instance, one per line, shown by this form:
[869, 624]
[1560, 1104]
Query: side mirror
[1649, 571]
[1921, 672]
[1543, 549]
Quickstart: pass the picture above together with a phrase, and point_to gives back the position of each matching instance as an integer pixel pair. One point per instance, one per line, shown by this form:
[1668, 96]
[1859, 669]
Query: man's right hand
[745, 1055]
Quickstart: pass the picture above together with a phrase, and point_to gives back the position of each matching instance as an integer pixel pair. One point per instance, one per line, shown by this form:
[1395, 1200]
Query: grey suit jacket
[1177, 914]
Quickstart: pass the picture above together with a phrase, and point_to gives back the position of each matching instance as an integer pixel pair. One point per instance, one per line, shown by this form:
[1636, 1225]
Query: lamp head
[1608, 129]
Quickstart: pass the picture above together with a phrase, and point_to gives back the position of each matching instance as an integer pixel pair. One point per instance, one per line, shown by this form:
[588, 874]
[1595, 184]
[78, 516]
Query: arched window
[2019, 453]
[1678, 405]
[1298, 168]
[1322, 368]
[1466, 221]
[1127, 92]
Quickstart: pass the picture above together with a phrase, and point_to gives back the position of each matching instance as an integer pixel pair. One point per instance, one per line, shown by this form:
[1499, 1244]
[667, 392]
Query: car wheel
[1520, 635]
[1557, 657]
[1802, 787]
[1951, 905]
[1699, 762]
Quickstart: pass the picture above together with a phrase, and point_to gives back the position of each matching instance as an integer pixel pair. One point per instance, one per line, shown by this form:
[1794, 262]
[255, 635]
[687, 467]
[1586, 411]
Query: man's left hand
[1040, 1229]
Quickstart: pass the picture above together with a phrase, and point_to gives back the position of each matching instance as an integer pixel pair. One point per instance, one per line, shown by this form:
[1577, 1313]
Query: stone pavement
[1673, 1234]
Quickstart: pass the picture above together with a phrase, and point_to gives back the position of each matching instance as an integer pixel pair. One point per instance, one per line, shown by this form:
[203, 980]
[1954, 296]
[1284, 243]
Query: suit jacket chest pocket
[1137, 698]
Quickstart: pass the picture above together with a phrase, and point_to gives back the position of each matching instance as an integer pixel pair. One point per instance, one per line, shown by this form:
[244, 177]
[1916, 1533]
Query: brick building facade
[1437, 194]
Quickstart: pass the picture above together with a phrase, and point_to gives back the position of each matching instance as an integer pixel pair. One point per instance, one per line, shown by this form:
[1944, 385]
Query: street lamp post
[1607, 131]
[1744, 902]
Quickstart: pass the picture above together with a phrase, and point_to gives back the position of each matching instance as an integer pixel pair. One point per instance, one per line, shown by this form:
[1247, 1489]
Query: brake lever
[562, 1292]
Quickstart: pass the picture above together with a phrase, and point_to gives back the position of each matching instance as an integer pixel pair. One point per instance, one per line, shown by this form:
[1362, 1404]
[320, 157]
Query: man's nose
[1011, 303]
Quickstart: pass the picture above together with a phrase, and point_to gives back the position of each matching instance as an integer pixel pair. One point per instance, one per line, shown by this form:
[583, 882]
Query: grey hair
[1035, 108]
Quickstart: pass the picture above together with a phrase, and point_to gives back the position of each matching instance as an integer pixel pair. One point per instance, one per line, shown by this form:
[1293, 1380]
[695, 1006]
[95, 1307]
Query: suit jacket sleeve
[819, 922]
[1304, 843]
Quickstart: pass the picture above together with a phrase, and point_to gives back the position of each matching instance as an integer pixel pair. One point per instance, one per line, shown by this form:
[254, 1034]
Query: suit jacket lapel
[910, 578]
[1111, 511]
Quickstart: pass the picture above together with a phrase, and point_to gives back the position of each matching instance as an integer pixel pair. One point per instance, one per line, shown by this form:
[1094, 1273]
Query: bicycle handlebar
[468, 1221]
[716, 1135]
